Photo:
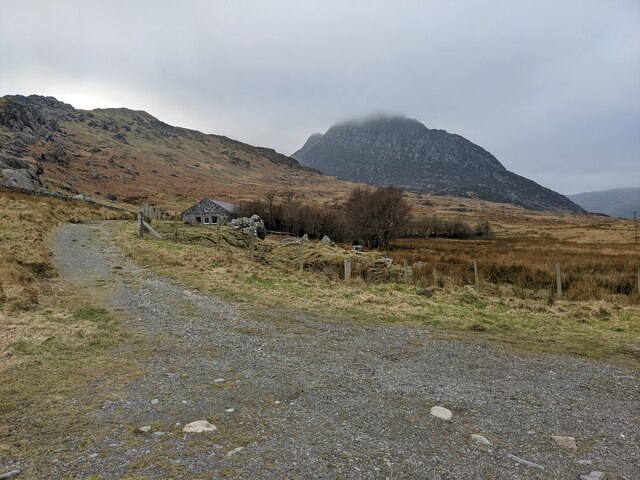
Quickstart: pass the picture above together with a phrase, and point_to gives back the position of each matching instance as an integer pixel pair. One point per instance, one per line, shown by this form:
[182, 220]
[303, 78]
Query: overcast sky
[551, 88]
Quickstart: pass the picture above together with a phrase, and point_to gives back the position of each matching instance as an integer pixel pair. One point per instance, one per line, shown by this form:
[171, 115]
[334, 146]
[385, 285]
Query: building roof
[228, 206]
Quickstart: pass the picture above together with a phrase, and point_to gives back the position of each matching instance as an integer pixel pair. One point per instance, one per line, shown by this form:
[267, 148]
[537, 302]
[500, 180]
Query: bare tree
[376, 217]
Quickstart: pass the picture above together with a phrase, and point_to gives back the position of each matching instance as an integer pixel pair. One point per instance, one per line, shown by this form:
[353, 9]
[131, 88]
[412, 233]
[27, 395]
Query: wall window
[214, 220]
[206, 220]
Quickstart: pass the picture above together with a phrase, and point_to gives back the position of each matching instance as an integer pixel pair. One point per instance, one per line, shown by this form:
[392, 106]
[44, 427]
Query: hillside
[617, 202]
[403, 152]
[133, 156]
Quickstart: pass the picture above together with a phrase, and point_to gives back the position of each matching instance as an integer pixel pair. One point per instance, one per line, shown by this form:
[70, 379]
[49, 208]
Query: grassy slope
[594, 329]
[52, 341]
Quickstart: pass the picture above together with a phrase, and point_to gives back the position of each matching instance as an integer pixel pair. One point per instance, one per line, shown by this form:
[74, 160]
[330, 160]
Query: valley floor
[300, 396]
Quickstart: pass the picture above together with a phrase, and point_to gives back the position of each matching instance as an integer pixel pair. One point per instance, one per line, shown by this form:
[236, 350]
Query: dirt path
[322, 398]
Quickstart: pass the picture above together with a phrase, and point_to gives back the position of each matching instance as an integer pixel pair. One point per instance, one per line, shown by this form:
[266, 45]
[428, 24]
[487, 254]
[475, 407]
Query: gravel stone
[480, 439]
[361, 393]
[566, 442]
[199, 426]
[525, 462]
[10, 474]
[441, 412]
[593, 476]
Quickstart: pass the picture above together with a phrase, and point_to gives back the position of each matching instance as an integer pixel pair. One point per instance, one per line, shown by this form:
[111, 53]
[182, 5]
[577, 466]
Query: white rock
[155, 401]
[93, 455]
[441, 412]
[585, 462]
[230, 410]
[277, 402]
[480, 439]
[218, 380]
[593, 476]
[566, 442]
[234, 451]
[199, 426]
[145, 429]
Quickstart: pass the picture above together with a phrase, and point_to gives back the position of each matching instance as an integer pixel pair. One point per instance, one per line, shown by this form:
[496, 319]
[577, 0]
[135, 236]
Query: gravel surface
[300, 396]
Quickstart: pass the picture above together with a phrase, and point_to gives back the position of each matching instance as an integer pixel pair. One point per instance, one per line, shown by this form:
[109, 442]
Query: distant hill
[403, 152]
[136, 157]
[617, 202]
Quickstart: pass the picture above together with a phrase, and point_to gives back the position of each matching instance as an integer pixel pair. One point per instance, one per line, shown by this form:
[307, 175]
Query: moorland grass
[591, 328]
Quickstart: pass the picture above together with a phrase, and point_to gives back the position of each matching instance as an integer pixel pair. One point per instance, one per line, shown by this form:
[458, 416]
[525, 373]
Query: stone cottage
[209, 212]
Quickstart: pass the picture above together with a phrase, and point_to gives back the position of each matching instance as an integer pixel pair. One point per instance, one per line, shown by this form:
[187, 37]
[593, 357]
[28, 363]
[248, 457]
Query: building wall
[206, 210]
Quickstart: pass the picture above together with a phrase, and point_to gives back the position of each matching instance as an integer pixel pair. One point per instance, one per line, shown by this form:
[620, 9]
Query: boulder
[20, 178]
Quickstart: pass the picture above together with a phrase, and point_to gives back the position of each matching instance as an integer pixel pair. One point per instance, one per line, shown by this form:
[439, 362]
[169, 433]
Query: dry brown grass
[25, 222]
[590, 271]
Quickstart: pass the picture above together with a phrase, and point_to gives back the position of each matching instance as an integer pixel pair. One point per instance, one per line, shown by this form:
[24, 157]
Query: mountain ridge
[615, 202]
[131, 154]
[397, 150]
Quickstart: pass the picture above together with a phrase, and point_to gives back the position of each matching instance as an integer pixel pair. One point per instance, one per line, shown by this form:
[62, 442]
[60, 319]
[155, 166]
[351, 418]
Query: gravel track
[317, 397]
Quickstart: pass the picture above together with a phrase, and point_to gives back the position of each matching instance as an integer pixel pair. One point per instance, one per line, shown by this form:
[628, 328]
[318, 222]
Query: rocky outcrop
[403, 152]
[252, 225]
[20, 178]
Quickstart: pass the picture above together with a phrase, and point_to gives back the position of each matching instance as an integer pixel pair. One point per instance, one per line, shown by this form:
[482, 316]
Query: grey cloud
[551, 88]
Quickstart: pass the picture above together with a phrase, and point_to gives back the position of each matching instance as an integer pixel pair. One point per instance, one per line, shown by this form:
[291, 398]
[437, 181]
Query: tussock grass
[594, 328]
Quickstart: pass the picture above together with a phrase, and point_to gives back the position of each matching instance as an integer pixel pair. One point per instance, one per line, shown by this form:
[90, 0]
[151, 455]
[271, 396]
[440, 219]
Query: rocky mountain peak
[395, 150]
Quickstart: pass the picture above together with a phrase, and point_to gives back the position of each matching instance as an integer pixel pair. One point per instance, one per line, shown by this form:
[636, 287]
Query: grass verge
[53, 343]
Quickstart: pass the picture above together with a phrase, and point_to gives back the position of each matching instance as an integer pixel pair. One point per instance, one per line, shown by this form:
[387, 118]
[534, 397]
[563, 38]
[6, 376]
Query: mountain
[617, 202]
[135, 157]
[403, 152]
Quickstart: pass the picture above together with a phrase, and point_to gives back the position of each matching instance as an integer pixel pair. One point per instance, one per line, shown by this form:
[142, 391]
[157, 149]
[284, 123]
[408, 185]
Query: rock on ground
[441, 412]
[199, 426]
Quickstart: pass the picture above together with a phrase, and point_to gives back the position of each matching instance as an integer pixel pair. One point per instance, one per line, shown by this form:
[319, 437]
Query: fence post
[175, 227]
[218, 229]
[347, 268]
[405, 268]
[300, 258]
[475, 273]
[638, 280]
[140, 226]
[435, 277]
[558, 280]
[251, 244]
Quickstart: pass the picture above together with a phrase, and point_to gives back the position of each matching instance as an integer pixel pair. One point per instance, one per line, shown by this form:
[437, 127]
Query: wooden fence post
[347, 268]
[218, 229]
[405, 268]
[435, 276]
[558, 280]
[638, 280]
[175, 227]
[475, 273]
[300, 257]
[140, 226]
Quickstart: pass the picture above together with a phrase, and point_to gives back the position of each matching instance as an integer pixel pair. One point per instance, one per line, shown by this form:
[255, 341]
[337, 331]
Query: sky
[551, 88]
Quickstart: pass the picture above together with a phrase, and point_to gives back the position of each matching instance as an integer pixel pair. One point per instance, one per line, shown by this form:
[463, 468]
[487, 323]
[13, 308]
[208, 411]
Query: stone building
[209, 212]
